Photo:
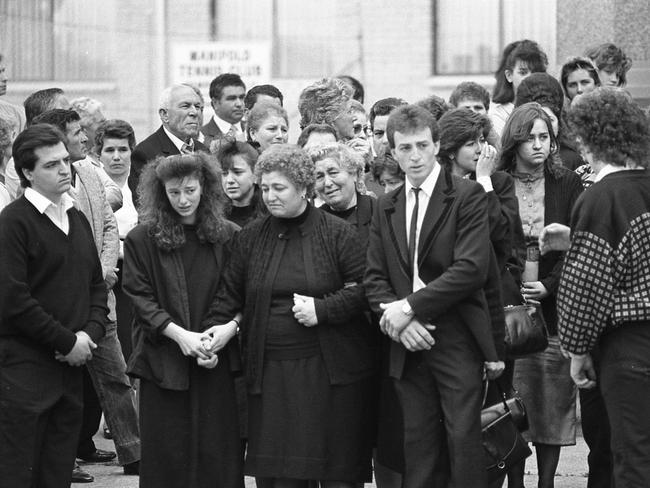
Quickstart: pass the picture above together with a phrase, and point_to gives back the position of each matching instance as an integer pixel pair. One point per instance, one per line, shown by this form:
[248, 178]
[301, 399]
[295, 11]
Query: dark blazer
[453, 261]
[155, 282]
[211, 131]
[157, 144]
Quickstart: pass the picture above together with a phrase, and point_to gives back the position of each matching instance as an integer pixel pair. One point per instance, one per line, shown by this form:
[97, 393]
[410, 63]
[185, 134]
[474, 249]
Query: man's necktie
[413, 229]
[187, 149]
[232, 133]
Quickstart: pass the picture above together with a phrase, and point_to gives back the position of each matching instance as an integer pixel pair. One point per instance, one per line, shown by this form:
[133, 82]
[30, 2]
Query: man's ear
[162, 113]
[436, 147]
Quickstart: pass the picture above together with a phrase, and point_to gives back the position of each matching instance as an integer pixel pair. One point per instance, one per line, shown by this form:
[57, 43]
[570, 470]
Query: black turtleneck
[285, 337]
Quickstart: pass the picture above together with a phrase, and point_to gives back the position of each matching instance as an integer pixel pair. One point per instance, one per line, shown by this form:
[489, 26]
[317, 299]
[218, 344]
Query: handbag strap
[502, 394]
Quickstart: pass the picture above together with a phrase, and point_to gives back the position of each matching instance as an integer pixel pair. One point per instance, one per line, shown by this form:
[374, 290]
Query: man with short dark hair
[378, 118]
[181, 112]
[266, 93]
[35, 104]
[52, 313]
[428, 261]
[227, 93]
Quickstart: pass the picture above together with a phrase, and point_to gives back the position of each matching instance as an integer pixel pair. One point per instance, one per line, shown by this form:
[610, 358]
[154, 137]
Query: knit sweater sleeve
[17, 304]
[336, 308]
[586, 292]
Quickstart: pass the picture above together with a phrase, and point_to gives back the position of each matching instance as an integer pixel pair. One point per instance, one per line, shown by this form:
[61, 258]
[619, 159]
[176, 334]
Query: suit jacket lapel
[166, 145]
[396, 218]
[437, 211]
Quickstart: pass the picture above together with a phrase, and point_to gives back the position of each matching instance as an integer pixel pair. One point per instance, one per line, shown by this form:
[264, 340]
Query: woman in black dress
[296, 275]
[172, 267]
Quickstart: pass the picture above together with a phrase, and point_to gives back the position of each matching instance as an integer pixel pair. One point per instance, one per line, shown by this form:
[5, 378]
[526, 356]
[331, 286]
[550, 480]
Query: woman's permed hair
[516, 131]
[457, 127]
[163, 222]
[611, 126]
[323, 102]
[290, 160]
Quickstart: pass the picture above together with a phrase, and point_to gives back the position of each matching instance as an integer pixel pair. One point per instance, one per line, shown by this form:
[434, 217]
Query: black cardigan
[561, 190]
[334, 265]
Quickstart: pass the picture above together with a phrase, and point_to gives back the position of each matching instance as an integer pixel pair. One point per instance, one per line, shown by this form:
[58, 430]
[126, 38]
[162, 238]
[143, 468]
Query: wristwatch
[406, 308]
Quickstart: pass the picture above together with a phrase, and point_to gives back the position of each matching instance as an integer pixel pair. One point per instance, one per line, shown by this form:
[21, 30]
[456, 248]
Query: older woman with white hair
[268, 123]
[339, 184]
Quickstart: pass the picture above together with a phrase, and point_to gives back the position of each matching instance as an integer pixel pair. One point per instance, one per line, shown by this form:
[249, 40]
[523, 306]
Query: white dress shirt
[58, 214]
[175, 140]
[426, 190]
[225, 127]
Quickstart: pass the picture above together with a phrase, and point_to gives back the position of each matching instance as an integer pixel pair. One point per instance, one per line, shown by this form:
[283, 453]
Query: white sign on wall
[199, 63]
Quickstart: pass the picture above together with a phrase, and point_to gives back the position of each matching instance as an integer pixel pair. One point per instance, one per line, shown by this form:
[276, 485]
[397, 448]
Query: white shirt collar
[428, 184]
[41, 202]
[177, 142]
[224, 126]
[608, 169]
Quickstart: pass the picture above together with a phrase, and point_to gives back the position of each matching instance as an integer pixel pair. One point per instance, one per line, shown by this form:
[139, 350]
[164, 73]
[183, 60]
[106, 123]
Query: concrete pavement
[571, 471]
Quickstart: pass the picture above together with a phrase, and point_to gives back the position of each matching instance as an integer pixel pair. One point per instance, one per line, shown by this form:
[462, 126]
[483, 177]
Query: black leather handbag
[501, 426]
[526, 331]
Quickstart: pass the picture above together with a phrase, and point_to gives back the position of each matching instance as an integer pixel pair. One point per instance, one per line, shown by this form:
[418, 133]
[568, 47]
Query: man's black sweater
[51, 284]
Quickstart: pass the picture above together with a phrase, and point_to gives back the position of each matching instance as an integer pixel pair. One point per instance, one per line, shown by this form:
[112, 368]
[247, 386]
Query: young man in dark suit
[428, 261]
[227, 93]
[181, 114]
[52, 313]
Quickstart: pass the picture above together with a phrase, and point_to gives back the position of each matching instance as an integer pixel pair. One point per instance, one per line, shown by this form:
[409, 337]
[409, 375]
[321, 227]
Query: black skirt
[301, 427]
[191, 438]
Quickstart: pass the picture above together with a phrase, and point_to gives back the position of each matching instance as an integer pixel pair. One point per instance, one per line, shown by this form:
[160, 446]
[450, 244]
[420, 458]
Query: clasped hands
[405, 328]
[202, 345]
[81, 352]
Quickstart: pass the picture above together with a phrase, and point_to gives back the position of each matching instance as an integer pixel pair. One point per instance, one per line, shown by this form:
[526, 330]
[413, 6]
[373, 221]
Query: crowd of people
[330, 312]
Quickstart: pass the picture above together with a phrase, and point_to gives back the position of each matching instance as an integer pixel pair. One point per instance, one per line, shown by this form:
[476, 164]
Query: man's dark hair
[222, 81]
[251, 97]
[434, 104]
[410, 118]
[58, 117]
[39, 102]
[32, 138]
[384, 107]
[469, 90]
[357, 88]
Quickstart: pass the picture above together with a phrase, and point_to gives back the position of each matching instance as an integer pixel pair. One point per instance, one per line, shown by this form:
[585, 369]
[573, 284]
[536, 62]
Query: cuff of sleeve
[321, 311]
[95, 330]
[65, 342]
[486, 183]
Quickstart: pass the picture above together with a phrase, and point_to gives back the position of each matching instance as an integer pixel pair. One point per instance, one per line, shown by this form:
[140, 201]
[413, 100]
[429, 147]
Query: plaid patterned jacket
[606, 275]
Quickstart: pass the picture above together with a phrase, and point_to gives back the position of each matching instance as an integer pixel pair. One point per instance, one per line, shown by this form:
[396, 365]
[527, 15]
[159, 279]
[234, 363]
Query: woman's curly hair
[290, 160]
[611, 126]
[457, 127]
[163, 222]
[516, 131]
[323, 102]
